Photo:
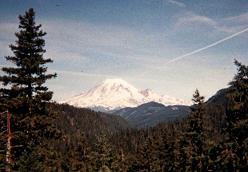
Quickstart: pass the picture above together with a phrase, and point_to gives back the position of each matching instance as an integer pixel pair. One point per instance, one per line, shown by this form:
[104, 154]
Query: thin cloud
[85, 45]
[242, 18]
[207, 47]
[192, 19]
[177, 3]
[227, 25]
[68, 72]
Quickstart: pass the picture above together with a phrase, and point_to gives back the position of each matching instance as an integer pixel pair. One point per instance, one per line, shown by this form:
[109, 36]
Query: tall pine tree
[195, 133]
[237, 110]
[24, 93]
[231, 153]
[234, 154]
[26, 80]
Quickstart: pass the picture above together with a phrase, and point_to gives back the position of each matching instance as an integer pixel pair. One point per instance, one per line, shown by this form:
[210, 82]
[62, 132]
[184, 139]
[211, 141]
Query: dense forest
[46, 136]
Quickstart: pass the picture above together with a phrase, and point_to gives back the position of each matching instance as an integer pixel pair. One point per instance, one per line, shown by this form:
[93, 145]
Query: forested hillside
[91, 123]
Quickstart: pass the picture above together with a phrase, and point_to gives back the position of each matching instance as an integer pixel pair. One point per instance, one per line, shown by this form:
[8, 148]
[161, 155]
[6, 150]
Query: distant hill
[220, 97]
[216, 109]
[152, 113]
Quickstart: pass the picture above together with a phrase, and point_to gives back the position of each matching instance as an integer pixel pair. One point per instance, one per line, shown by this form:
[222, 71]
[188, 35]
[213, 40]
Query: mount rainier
[114, 94]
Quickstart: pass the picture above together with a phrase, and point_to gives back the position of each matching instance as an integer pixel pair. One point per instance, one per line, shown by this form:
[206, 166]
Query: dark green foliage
[182, 156]
[24, 93]
[232, 152]
[76, 153]
[103, 154]
[237, 109]
[195, 133]
[191, 139]
[145, 157]
[85, 143]
[29, 74]
[89, 122]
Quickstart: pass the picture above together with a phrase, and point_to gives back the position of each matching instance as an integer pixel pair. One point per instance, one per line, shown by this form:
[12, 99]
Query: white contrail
[206, 47]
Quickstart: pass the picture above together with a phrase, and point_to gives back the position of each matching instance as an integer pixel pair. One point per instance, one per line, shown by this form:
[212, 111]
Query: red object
[8, 123]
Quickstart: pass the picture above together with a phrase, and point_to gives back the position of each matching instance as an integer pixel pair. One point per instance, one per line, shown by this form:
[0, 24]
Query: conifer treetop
[197, 98]
[28, 75]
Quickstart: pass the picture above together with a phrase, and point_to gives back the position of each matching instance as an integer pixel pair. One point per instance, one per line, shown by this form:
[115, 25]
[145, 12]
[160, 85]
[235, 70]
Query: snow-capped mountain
[117, 93]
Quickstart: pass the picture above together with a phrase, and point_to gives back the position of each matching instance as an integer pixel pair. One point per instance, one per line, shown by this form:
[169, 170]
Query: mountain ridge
[152, 113]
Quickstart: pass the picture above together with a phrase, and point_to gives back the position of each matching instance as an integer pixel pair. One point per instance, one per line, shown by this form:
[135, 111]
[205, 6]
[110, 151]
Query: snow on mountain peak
[117, 93]
[117, 85]
[115, 81]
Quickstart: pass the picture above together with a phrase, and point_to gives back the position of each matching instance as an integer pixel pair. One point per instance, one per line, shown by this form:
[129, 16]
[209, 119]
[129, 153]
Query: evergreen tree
[182, 154]
[195, 133]
[24, 93]
[120, 162]
[78, 153]
[237, 110]
[159, 152]
[233, 152]
[28, 77]
[170, 160]
[103, 155]
[143, 161]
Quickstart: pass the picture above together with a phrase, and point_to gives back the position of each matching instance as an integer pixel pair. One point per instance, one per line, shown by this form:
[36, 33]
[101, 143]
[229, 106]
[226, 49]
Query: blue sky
[92, 40]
